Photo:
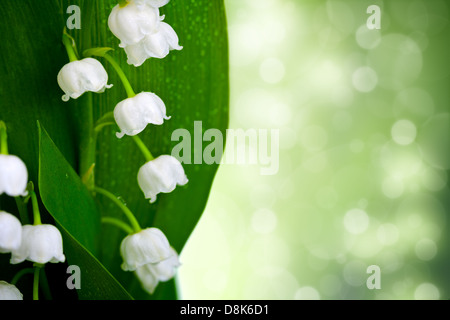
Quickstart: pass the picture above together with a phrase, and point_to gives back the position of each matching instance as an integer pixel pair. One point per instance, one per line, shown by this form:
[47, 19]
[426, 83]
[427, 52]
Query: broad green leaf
[31, 56]
[76, 214]
[65, 196]
[192, 82]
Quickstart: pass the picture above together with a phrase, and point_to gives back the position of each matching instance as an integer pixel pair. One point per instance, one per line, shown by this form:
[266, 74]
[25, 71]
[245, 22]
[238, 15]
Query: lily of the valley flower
[156, 45]
[133, 22]
[147, 246]
[9, 292]
[132, 115]
[10, 232]
[78, 77]
[162, 174]
[13, 176]
[141, 31]
[41, 244]
[151, 274]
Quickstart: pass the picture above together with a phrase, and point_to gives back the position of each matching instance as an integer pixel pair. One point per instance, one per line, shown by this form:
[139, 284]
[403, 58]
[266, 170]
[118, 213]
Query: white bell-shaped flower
[40, 244]
[162, 174]
[155, 45]
[151, 274]
[9, 292]
[133, 22]
[132, 115]
[141, 31]
[78, 77]
[13, 176]
[147, 246]
[10, 232]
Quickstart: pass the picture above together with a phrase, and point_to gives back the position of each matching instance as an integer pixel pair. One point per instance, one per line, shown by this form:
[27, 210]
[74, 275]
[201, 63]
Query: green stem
[123, 3]
[68, 43]
[88, 144]
[147, 154]
[122, 76]
[100, 126]
[118, 223]
[3, 139]
[106, 120]
[133, 221]
[36, 213]
[20, 274]
[44, 285]
[37, 269]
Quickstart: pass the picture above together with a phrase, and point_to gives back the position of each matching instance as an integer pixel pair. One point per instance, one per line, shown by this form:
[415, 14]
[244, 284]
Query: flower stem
[3, 139]
[118, 223]
[145, 151]
[106, 120]
[88, 145]
[36, 213]
[133, 221]
[45, 288]
[69, 44]
[37, 269]
[122, 76]
[20, 274]
[123, 3]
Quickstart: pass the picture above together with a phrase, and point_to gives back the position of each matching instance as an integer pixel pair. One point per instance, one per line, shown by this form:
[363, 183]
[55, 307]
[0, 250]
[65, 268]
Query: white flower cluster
[150, 255]
[143, 34]
[141, 30]
[40, 243]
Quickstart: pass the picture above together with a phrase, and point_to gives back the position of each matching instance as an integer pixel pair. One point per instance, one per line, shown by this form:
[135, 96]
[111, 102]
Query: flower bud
[13, 176]
[132, 115]
[10, 232]
[9, 292]
[78, 77]
[40, 244]
[147, 246]
[162, 174]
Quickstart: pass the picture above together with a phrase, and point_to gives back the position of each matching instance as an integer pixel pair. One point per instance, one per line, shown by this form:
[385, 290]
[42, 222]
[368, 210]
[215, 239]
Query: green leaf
[99, 52]
[76, 214]
[65, 196]
[192, 82]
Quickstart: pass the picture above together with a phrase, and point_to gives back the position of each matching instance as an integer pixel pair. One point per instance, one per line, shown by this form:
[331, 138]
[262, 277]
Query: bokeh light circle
[356, 221]
[404, 132]
[427, 291]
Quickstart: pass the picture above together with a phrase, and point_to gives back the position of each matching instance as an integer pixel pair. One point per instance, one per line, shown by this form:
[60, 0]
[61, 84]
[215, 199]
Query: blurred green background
[364, 156]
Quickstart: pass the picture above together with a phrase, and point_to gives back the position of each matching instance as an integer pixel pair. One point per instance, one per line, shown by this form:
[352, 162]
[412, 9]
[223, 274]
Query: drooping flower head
[147, 246]
[9, 292]
[162, 174]
[10, 232]
[155, 45]
[13, 176]
[41, 244]
[78, 77]
[153, 273]
[141, 31]
[133, 22]
[132, 115]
